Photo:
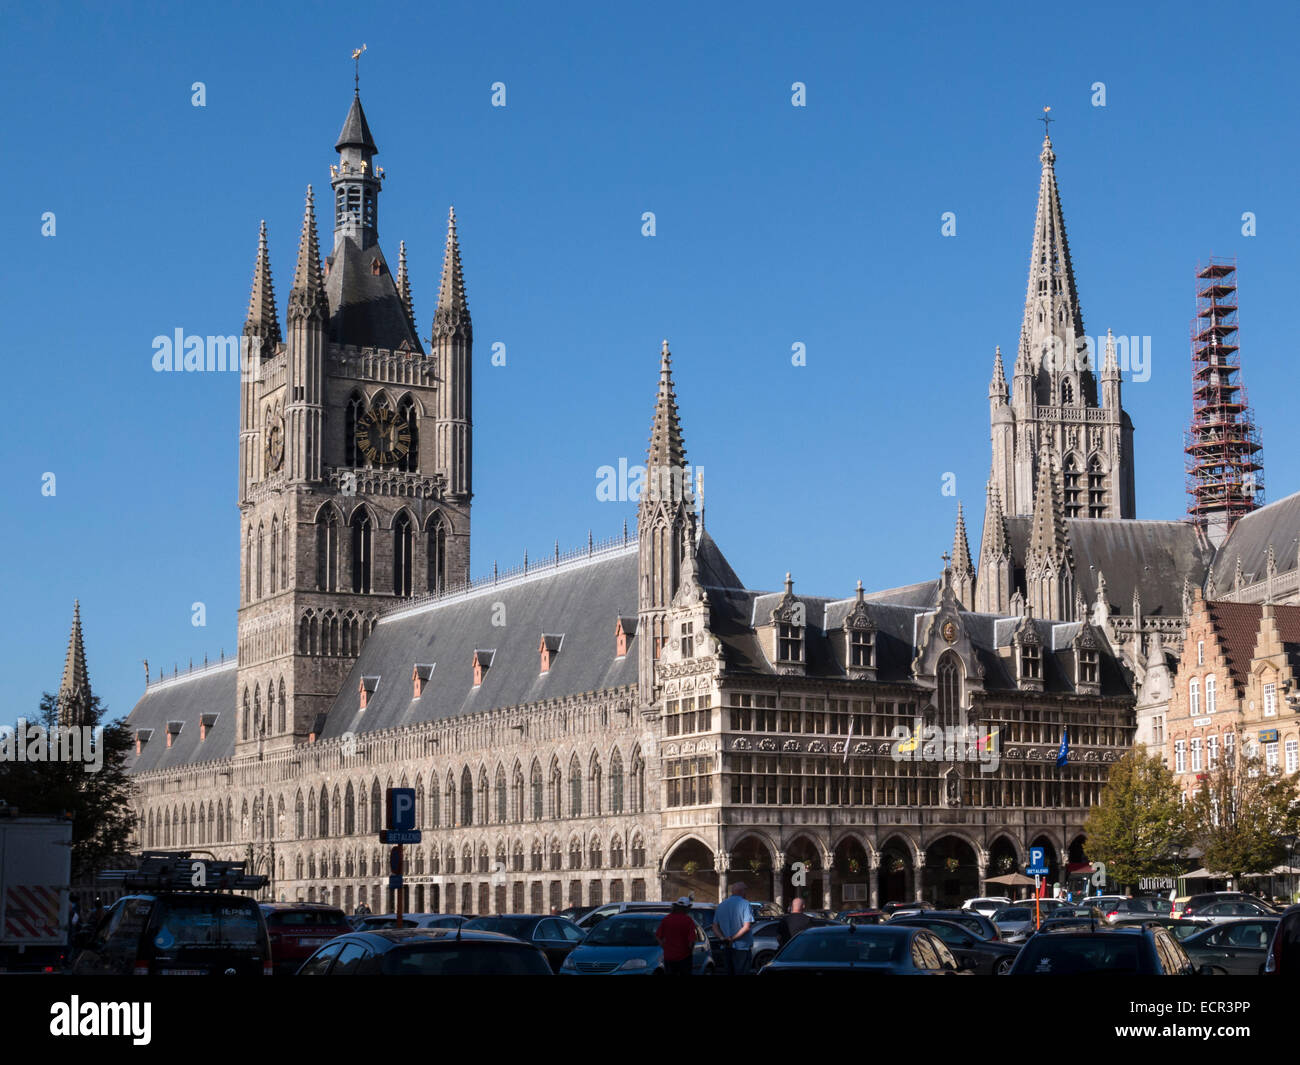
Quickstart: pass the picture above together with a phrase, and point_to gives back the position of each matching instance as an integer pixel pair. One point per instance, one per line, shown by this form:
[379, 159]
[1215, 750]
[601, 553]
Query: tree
[98, 802]
[1240, 813]
[1139, 826]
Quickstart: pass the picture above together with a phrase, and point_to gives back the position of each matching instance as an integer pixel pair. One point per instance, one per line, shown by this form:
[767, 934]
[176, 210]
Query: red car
[299, 929]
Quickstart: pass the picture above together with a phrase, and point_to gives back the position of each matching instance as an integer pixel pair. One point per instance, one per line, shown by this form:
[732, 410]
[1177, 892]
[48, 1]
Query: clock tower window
[327, 552]
[361, 551]
[437, 553]
[402, 545]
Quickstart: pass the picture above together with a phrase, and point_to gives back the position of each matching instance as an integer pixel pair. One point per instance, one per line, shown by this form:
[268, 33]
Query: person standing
[732, 923]
[792, 923]
[677, 934]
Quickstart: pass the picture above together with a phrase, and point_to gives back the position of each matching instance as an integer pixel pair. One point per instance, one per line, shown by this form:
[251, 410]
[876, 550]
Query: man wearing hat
[677, 934]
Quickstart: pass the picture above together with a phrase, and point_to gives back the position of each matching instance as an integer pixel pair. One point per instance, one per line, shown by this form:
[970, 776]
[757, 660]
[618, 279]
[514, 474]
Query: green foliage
[98, 802]
[1239, 815]
[1139, 826]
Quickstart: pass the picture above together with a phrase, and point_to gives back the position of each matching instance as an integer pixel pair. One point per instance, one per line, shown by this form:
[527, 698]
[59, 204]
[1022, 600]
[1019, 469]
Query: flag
[987, 743]
[908, 745]
[847, 739]
[1063, 755]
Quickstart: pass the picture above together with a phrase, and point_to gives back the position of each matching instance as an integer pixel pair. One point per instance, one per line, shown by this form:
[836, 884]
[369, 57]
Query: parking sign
[401, 809]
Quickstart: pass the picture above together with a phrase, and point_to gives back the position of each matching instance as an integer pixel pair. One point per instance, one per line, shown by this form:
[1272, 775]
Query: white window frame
[1194, 697]
[1211, 695]
[1270, 756]
[1196, 754]
[1211, 751]
[1200, 652]
[1180, 756]
[1270, 700]
[1292, 755]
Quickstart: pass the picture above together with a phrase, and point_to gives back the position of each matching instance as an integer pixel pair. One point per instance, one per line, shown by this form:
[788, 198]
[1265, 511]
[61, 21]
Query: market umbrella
[1011, 880]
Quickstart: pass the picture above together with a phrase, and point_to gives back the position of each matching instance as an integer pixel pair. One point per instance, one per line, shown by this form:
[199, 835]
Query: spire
[1110, 371]
[1048, 537]
[262, 320]
[307, 298]
[998, 386]
[74, 689]
[997, 541]
[667, 449]
[1051, 274]
[453, 307]
[356, 131]
[961, 560]
[404, 284]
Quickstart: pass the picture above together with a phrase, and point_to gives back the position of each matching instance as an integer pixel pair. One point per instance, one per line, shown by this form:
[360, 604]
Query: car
[1231, 910]
[297, 929]
[556, 936]
[1147, 950]
[975, 952]
[426, 952]
[987, 905]
[574, 912]
[860, 916]
[1177, 927]
[1015, 923]
[1081, 910]
[891, 908]
[887, 949]
[1193, 904]
[767, 939]
[1143, 905]
[624, 944]
[374, 922]
[589, 920]
[1284, 950]
[971, 921]
[173, 933]
[1240, 947]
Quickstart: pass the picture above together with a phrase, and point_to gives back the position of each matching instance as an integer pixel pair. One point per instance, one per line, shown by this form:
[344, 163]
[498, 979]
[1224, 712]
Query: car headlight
[633, 963]
[569, 963]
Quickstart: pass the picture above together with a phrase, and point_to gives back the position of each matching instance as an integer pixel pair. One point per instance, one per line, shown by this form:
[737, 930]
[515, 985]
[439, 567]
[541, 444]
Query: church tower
[1053, 406]
[665, 528]
[74, 689]
[348, 503]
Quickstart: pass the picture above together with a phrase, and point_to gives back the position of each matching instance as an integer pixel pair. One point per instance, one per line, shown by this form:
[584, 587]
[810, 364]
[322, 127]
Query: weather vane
[356, 58]
[1046, 119]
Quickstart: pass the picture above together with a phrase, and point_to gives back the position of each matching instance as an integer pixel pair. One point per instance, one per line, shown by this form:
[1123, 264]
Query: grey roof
[365, 307]
[1152, 556]
[582, 600]
[712, 569]
[356, 130]
[185, 698]
[1277, 524]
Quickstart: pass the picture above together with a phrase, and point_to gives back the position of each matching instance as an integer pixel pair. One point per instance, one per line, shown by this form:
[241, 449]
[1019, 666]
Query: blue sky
[775, 225]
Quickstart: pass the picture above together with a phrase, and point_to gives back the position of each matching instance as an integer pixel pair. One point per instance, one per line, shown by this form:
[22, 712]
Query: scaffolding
[1224, 476]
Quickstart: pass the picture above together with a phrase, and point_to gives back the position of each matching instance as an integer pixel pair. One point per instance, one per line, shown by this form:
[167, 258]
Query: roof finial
[1046, 121]
[356, 58]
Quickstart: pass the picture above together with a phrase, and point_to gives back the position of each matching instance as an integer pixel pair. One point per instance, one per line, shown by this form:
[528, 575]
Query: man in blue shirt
[732, 922]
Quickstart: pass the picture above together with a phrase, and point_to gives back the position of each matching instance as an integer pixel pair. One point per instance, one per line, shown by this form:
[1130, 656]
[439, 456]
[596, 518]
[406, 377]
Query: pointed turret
[993, 588]
[998, 385]
[667, 449]
[404, 284]
[963, 569]
[1049, 565]
[74, 689]
[356, 130]
[453, 306]
[307, 297]
[262, 320]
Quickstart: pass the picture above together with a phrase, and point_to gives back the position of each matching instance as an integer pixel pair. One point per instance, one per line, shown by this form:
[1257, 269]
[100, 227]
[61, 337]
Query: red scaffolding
[1224, 476]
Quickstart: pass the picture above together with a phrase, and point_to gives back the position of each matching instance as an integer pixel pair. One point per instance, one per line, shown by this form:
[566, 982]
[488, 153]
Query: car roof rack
[176, 870]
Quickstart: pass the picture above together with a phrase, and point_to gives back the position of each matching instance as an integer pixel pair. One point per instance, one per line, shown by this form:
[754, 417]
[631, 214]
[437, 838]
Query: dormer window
[174, 730]
[206, 721]
[549, 649]
[366, 689]
[420, 676]
[1089, 665]
[142, 736]
[482, 663]
[862, 648]
[688, 639]
[789, 642]
[624, 630]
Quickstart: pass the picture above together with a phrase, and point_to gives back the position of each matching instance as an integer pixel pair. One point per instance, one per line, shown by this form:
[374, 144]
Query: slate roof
[210, 690]
[1277, 524]
[356, 130]
[1152, 556]
[365, 308]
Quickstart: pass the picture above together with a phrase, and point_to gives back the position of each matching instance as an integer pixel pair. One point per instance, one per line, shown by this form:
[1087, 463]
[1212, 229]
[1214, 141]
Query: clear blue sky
[776, 225]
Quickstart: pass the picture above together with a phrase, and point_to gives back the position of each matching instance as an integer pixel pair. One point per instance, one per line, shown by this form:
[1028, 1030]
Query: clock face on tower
[275, 444]
[381, 438]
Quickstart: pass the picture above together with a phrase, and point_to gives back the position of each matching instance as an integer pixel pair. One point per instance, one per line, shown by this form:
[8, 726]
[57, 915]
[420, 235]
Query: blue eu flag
[1063, 754]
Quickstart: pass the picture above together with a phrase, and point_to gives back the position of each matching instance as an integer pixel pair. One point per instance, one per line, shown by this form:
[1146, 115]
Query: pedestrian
[733, 921]
[677, 934]
[792, 923]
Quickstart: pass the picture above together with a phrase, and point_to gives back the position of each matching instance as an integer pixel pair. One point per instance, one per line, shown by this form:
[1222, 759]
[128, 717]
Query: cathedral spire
[667, 448]
[404, 284]
[963, 569]
[998, 386]
[453, 306]
[262, 320]
[307, 298]
[994, 582]
[74, 689]
[1049, 564]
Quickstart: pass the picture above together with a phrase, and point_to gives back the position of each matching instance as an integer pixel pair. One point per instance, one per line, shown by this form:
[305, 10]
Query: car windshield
[198, 922]
[1080, 954]
[1011, 914]
[863, 947]
[519, 927]
[466, 958]
[624, 931]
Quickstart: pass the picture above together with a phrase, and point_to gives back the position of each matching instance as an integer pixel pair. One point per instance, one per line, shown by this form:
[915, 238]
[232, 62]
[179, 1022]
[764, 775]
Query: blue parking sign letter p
[401, 809]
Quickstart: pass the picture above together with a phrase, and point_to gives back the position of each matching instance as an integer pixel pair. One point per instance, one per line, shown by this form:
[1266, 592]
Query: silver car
[1015, 923]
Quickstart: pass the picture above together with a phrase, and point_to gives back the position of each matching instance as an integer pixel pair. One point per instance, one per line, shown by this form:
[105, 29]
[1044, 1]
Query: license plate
[304, 941]
[184, 972]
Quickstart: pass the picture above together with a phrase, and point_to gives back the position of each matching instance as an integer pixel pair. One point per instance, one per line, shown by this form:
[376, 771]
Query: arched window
[466, 797]
[535, 786]
[282, 722]
[595, 782]
[284, 552]
[1067, 393]
[375, 806]
[435, 819]
[246, 729]
[275, 553]
[298, 815]
[1096, 488]
[257, 710]
[484, 807]
[502, 797]
[1194, 696]
[327, 551]
[948, 689]
[575, 853]
[403, 542]
[616, 784]
[349, 812]
[638, 782]
[259, 561]
[248, 566]
[575, 788]
[1073, 477]
[437, 550]
[557, 791]
[361, 550]
[356, 410]
[407, 417]
[449, 793]
[517, 792]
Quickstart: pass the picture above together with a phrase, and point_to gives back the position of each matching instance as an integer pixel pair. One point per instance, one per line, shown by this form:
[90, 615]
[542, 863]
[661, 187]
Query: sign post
[1037, 868]
[401, 830]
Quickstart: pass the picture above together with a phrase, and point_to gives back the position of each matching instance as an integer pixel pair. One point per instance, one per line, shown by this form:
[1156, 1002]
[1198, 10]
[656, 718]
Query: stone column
[918, 876]
[778, 879]
[722, 863]
[873, 879]
[828, 869]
